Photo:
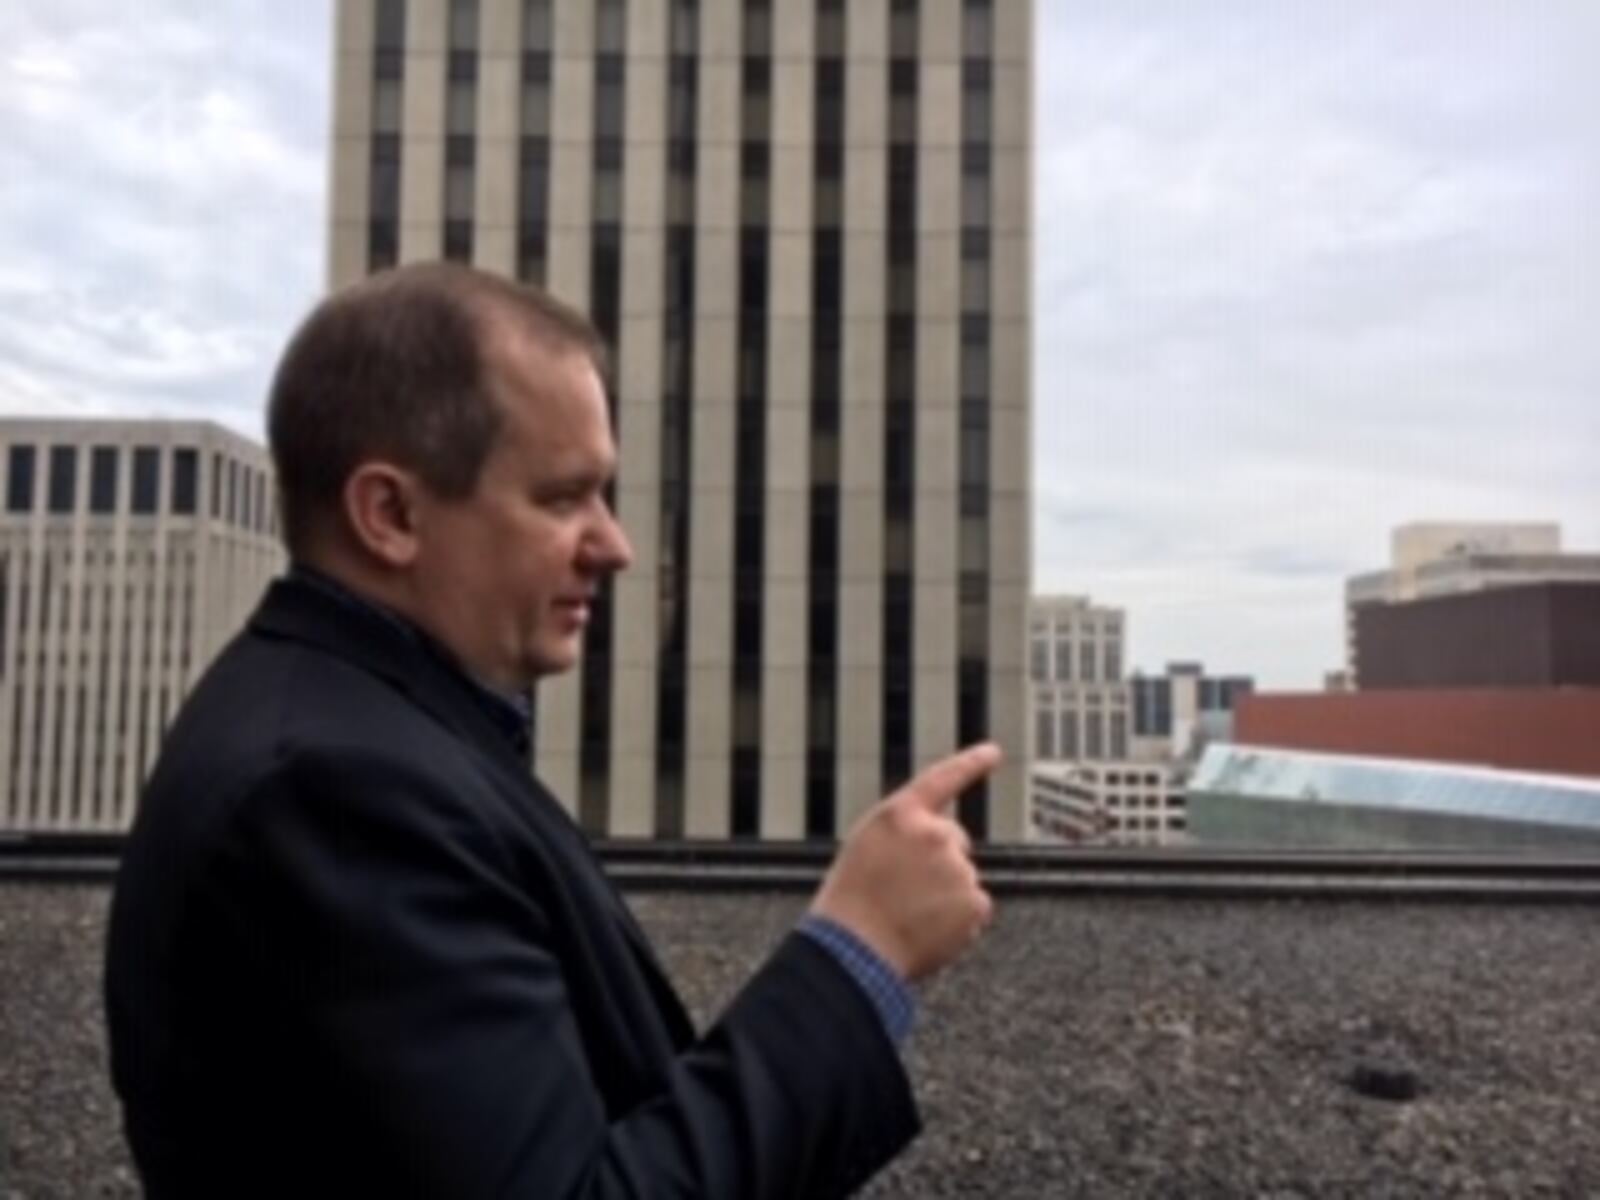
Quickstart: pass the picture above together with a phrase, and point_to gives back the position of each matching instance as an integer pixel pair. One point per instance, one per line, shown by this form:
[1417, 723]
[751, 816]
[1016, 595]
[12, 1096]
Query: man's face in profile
[508, 573]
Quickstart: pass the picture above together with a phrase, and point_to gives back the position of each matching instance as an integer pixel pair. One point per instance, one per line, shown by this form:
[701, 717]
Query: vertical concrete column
[710, 640]
[570, 224]
[350, 156]
[422, 148]
[113, 778]
[11, 547]
[861, 500]
[788, 474]
[1010, 438]
[636, 644]
[494, 216]
[75, 641]
[938, 360]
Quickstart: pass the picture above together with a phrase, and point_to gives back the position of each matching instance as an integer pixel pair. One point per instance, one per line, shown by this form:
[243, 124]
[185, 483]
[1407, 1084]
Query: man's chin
[559, 659]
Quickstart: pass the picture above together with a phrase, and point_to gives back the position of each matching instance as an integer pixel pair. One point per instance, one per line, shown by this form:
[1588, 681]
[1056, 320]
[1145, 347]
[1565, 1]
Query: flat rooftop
[1092, 1046]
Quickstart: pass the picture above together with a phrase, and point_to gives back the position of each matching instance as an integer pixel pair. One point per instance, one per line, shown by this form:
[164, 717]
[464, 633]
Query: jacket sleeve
[380, 909]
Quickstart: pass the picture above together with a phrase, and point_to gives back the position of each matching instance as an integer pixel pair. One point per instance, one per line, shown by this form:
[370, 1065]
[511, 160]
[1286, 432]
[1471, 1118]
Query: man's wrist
[884, 986]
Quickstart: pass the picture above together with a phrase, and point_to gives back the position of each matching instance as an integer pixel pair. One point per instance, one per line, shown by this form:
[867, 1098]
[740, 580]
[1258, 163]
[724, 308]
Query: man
[356, 949]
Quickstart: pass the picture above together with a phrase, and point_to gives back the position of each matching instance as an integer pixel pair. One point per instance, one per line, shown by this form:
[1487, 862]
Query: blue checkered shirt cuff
[889, 993]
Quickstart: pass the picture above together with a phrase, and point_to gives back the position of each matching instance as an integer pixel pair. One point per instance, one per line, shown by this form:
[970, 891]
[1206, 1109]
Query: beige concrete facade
[1081, 702]
[130, 551]
[956, 44]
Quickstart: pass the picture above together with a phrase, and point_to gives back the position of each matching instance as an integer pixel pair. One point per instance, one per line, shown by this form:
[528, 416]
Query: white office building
[130, 551]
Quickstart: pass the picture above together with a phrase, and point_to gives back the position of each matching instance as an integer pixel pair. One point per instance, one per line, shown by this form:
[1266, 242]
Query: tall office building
[1445, 558]
[804, 228]
[1082, 705]
[129, 552]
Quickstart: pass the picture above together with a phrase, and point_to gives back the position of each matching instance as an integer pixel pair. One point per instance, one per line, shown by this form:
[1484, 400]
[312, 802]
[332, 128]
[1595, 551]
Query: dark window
[185, 480]
[383, 244]
[903, 77]
[1044, 733]
[460, 150]
[820, 788]
[830, 99]
[389, 65]
[458, 241]
[903, 102]
[975, 158]
[977, 28]
[685, 27]
[610, 26]
[535, 180]
[63, 478]
[146, 480]
[827, 288]
[757, 27]
[757, 75]
[975, 98]
[745, 817]
[103, 480]
[605, 271]
[463, 66]
[608, 118]
[536, 66]
[830, 28]
[536, 26]
[463, 24]
[755, 160]
[385, 192]
[902, 186]
[903, 27]
[247, 498]
[390, 25]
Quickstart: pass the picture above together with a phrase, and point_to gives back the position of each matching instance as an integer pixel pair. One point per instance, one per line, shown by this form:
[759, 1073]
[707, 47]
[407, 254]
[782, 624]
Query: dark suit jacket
[356, 950]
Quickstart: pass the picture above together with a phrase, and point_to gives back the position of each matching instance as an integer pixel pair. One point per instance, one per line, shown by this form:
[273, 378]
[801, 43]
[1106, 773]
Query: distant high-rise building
[1081, 701]
[1176, 714]
[129, 552]
[1111, 752]
[1445, 558]
[1531, 635]
[804, 228]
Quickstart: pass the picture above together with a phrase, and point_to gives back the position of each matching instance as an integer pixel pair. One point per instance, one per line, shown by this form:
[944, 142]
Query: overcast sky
[1305, 271]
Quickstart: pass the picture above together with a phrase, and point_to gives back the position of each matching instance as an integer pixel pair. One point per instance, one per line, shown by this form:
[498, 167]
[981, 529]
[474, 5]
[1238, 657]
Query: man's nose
[608, 548]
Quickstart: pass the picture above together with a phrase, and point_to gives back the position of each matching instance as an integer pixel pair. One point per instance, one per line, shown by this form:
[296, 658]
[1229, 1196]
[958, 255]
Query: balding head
[401, 367]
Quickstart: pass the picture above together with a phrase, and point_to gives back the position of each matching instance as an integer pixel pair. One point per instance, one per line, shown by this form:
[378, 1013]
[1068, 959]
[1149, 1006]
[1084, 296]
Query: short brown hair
[396, 366]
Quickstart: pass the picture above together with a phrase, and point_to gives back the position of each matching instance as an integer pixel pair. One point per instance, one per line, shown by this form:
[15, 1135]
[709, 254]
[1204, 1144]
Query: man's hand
[903, 882]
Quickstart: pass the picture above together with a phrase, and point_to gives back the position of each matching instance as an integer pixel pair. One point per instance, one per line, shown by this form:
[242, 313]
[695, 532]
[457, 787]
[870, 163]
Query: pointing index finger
[938, 786]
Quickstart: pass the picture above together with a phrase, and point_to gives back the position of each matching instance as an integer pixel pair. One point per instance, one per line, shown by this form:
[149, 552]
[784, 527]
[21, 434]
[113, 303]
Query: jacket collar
[299, 610]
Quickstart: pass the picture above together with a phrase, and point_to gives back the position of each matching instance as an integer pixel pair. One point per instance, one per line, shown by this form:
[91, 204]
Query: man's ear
[381, 509]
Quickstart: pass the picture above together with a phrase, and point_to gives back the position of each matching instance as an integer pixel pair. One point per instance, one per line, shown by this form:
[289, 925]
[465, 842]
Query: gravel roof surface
[1090, 1047]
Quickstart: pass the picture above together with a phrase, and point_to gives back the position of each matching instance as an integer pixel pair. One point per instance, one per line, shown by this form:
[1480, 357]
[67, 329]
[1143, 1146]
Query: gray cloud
[1306, 272]
[161, 220]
